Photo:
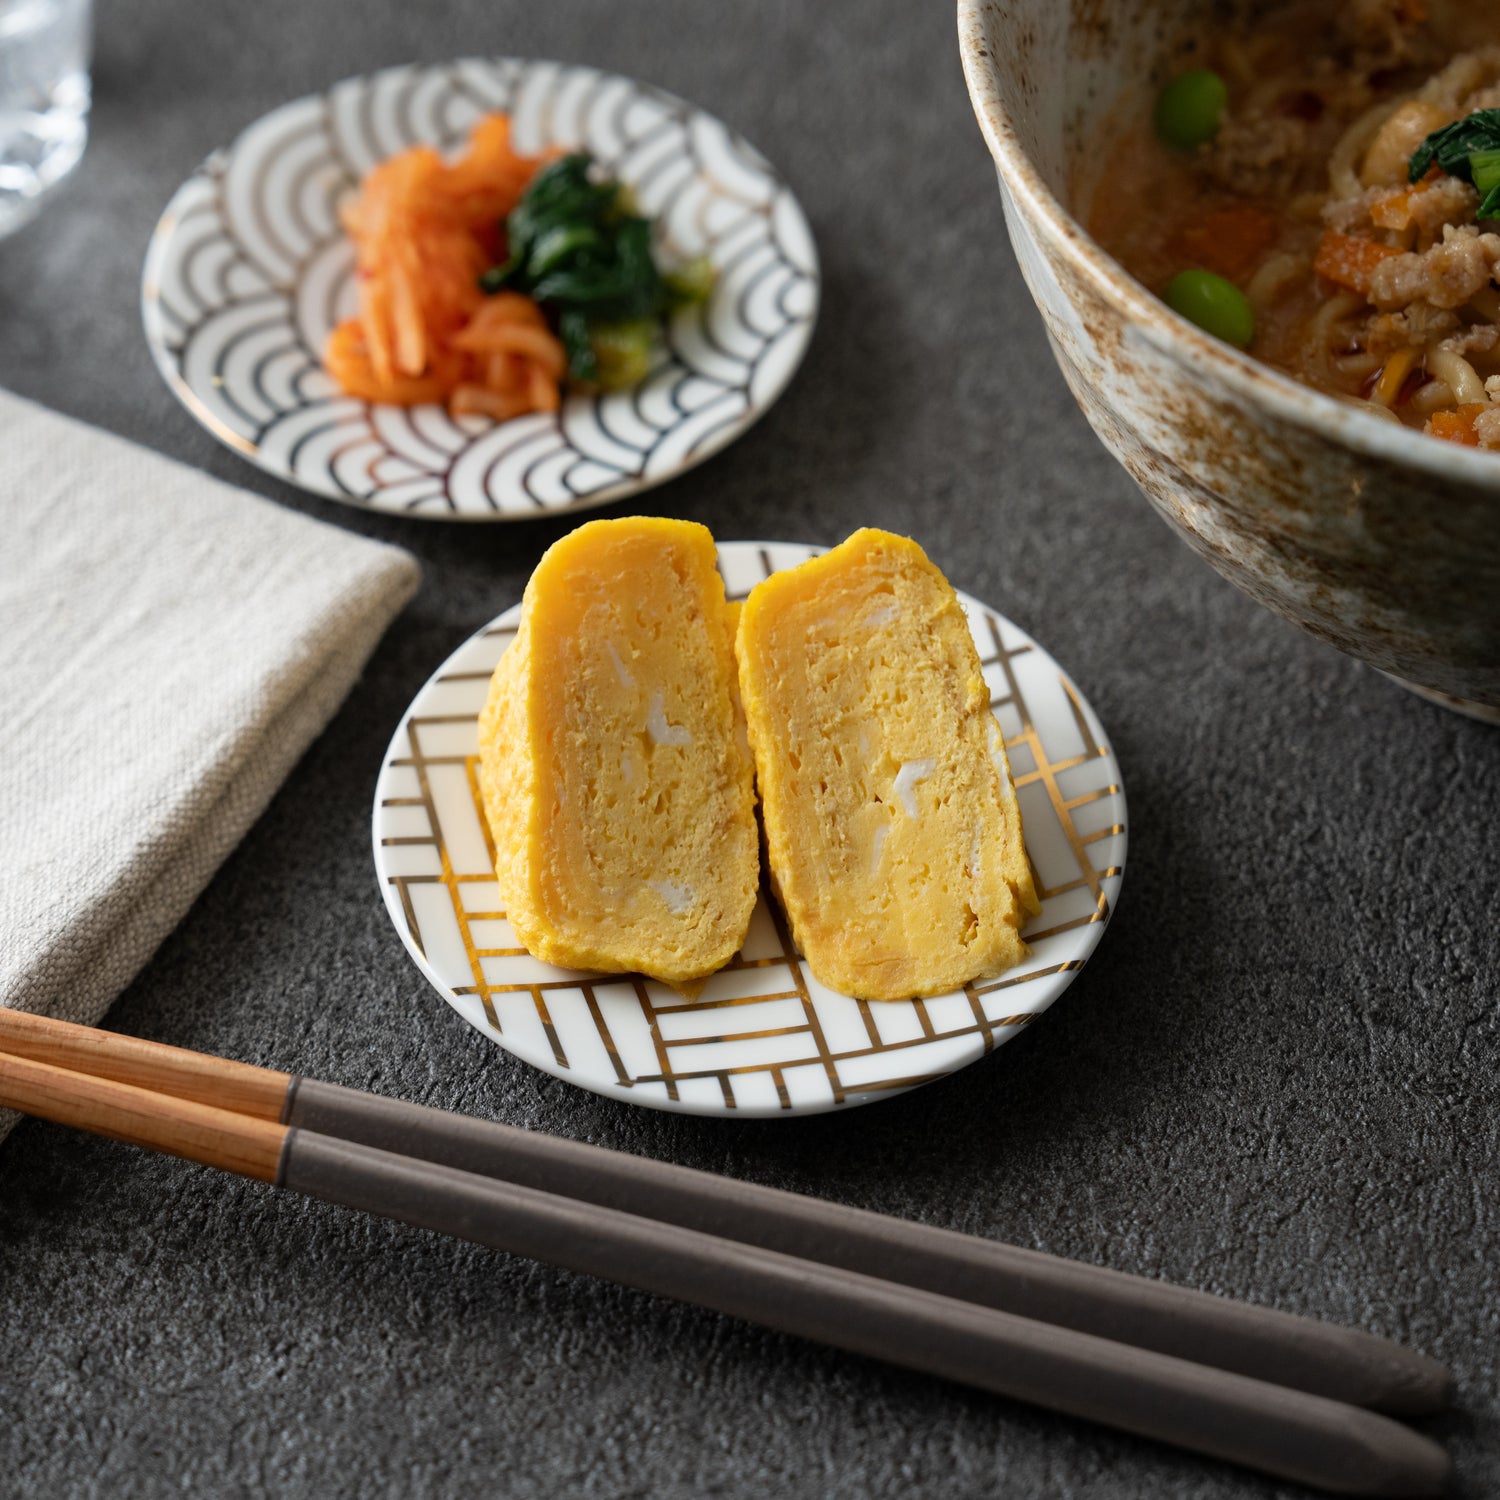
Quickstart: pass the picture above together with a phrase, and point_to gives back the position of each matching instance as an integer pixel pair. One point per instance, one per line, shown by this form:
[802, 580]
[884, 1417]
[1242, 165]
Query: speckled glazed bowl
[1381, 541]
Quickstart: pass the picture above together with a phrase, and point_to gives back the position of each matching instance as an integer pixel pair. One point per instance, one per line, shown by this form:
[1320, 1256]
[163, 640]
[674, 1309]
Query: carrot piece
[410, 352]
[347, 358]
[504, 374]
[535, 343]
[489, 140]
[424, 230]
[487, 182]
[1229, 241]
[507, 308]
[477, 400]
[1394, 210]
[1457, 426]
[542, 388]
[1348, 261]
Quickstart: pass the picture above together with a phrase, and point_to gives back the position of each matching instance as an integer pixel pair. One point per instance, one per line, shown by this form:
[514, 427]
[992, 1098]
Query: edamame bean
[1217, 306]
[1190, 108]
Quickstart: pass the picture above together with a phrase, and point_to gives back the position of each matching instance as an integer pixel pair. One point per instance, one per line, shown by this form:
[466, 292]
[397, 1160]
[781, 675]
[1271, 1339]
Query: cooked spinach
[1485, 167]
[576, 247]
[1468, 148]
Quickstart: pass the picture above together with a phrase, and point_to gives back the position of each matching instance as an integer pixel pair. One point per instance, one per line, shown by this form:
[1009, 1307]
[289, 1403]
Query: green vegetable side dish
[1217, 306]
[579, 249]
[1191, 108]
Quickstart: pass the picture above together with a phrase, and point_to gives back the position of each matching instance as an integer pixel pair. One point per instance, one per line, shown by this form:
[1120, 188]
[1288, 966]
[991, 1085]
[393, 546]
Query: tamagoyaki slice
[892, 829]
[614, 768]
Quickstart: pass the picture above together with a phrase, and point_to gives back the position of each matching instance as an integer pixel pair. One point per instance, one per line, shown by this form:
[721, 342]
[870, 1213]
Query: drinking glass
[44, 100]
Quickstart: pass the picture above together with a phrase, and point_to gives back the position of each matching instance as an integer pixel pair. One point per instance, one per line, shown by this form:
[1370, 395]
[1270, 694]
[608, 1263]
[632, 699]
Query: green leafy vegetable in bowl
[577, 247]
[1468, 148]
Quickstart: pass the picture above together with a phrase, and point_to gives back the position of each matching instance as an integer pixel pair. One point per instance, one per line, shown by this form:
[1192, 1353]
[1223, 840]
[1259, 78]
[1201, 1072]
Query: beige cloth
[169, 647]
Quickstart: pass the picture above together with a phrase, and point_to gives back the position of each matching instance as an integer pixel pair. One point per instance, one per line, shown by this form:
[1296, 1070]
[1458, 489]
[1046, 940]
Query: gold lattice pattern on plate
[764, 1037]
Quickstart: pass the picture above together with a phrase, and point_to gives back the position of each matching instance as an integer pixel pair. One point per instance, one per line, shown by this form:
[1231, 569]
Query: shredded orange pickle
[424, 231]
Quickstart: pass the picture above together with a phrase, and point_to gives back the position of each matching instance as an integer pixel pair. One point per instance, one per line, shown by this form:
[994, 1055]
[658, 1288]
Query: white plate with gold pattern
[764, 1037]
[248, 271]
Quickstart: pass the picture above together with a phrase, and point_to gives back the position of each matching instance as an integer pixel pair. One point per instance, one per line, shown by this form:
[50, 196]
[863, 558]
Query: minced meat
[1258, 154]
[1479, 338]
[1416, 326]
[1447, 275]
[1385, 32]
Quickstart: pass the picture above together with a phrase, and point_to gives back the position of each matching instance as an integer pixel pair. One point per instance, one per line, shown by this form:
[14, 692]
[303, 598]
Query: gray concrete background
[1277, 1079]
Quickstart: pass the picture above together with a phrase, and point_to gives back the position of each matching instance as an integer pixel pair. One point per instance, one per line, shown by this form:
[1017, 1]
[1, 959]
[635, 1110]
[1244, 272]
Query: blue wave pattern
[248, 271]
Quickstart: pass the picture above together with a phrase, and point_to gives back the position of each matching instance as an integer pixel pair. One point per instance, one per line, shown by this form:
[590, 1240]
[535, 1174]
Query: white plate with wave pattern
[248, 271]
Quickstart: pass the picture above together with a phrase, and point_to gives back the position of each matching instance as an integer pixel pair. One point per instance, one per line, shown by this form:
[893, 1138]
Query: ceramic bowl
[1376, 539]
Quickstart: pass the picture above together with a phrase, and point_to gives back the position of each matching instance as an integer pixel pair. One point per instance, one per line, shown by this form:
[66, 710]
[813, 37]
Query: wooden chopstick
[1288, 1433]
[241, 1088]
[1340, 1363]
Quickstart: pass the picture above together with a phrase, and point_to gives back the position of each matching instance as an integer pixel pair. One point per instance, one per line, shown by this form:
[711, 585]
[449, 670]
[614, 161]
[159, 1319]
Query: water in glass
[44, 100]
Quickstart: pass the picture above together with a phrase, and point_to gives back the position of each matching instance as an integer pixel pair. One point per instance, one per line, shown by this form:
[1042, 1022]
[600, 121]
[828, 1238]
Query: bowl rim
[1287, 399]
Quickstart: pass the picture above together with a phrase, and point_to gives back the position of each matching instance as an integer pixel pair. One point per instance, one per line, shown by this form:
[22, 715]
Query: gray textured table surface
[1277, 1079]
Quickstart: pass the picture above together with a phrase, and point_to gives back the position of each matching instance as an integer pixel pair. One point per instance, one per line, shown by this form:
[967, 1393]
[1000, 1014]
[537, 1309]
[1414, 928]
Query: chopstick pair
[1274, 1392]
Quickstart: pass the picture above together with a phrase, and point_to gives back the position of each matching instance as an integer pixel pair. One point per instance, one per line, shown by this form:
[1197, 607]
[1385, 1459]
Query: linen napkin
[169, 646]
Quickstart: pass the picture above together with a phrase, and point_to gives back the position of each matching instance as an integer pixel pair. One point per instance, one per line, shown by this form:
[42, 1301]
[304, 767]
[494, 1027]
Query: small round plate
[764, 1037]
[248, 271]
